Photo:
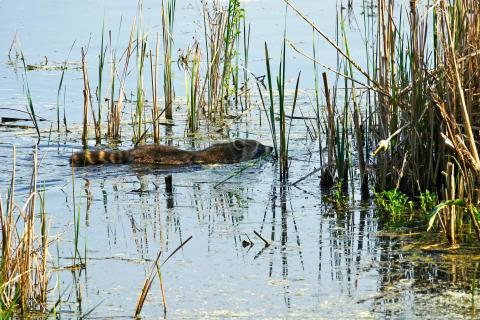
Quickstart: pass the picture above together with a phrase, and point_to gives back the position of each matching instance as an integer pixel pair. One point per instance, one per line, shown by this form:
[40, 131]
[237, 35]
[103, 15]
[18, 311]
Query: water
[322, 263]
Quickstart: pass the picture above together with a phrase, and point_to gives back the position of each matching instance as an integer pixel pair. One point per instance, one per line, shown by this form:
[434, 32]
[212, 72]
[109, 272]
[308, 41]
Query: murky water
[322, 263]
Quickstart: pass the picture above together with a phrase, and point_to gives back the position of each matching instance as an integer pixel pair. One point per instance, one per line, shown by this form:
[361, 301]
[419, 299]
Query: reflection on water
[320, 262]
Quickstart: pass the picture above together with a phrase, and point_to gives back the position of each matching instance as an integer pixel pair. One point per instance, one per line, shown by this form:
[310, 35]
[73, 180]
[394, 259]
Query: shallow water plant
[23, 262]
[422, 74]
[393, 202]
[338, 197]
[428, 200]
[168, 18]
[60, 85]
[115, 113]
[222, 31]
[154, 76]
[155, 270]
[193, 86]
[87, 98]
[280, 147]
[101, 63]
[30, 109]
[139, 121]
[231, 36]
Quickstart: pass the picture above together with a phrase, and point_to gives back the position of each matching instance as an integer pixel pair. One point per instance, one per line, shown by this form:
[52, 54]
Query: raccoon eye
[240, 144]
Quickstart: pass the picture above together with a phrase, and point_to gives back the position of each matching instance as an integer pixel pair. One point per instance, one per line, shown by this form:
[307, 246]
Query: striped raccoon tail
[86, 158]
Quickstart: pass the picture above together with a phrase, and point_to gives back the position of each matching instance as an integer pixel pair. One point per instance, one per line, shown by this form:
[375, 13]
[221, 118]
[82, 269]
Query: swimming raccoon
[232, 152]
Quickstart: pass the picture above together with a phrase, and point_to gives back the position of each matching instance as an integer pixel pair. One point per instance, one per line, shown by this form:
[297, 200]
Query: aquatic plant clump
[24, 273]
[421, 81]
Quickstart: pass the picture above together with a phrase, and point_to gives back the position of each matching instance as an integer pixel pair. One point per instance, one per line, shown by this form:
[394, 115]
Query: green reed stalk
[101, 62]
[30, 109]
[154, 76]
[64, 68]
[76, 224]
[113, 72]
[87, 99]
[168, 17]
[281, 151]
[139, 115]
[281, 107]
[246, 49]
[209, 75]
[342, 143]
[192, 78]
[271, 114]
[232, 30]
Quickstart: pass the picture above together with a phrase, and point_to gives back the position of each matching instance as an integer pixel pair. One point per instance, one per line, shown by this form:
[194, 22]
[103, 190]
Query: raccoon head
[250, 149]
[231, 152]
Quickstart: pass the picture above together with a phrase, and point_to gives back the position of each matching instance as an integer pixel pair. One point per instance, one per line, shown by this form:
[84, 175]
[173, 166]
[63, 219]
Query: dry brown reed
[221, 36]
[24, 275]
[429, 123]
[86, 97]
[195, 90]
[115, 113]
[155, 270]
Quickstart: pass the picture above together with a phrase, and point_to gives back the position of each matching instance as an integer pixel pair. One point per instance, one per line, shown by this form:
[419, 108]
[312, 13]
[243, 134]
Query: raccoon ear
[239, 144]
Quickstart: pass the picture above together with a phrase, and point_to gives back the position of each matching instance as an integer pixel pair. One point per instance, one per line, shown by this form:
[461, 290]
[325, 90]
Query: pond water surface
[322, 263]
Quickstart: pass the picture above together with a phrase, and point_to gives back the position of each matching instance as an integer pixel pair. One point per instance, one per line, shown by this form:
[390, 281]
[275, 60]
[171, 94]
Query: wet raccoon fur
[232, 152]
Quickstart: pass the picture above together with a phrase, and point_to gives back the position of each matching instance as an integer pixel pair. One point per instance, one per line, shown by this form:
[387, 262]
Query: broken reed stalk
[265, 242]
[168, 16]
[151, 277]
[24, 274]
[162, 288]
[147, 284]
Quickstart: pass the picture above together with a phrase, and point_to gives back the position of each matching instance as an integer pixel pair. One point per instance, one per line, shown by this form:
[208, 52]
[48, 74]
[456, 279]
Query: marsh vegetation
[371, 194]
